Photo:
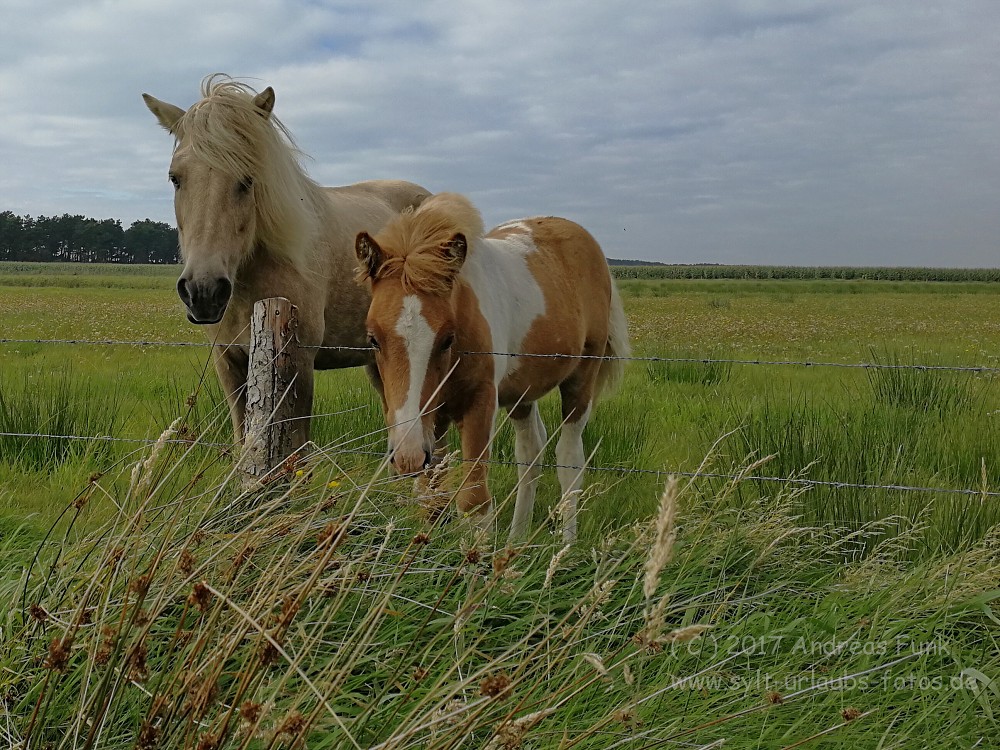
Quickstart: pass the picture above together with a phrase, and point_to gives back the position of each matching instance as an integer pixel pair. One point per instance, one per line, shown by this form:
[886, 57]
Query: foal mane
[226, 130]
[416, 245]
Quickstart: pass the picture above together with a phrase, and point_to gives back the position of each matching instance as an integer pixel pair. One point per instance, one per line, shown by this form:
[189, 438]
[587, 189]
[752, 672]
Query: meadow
[150, 601]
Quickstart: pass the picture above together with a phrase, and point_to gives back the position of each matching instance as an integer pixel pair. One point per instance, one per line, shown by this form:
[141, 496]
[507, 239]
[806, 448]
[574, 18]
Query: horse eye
[245, 184]
[373, 343]
[447, 341]
[175, 181]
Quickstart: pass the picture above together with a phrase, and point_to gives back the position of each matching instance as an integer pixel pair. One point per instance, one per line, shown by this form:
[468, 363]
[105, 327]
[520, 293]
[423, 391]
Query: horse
[252, 225]
[451, 310]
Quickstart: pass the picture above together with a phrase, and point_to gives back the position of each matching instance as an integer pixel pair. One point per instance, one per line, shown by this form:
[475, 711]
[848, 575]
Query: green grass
[89, 275]
[888, 591]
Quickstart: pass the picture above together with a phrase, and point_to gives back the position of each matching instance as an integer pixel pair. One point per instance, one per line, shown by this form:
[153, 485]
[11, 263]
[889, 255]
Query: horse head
[216, 170]
[412, 327]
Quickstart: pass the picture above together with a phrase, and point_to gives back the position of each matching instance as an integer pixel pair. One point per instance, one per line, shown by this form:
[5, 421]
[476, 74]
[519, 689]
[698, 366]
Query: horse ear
[166, 114]
[264, 101]
[369, 254]
[456, 249]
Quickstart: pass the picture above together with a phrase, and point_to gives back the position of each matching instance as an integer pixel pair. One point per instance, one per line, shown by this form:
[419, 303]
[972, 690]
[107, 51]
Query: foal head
[224, 176]
[412, 265]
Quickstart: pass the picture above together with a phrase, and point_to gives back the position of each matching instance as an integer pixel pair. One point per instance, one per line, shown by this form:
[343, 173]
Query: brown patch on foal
[567, 256]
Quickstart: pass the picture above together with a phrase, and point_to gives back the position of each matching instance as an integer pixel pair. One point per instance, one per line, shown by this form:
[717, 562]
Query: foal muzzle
[409, 462]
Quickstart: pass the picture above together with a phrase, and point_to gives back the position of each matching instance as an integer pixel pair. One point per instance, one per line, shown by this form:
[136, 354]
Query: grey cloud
[743, 131]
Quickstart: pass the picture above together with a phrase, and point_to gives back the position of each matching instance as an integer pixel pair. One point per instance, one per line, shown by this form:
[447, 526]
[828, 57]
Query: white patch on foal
[509, 296]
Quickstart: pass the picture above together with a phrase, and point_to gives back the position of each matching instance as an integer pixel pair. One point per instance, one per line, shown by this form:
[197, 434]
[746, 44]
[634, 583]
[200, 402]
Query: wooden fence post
[270, 387]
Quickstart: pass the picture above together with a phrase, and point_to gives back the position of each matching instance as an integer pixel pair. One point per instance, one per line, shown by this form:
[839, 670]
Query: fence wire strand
[619, 470]
[651, 358]
[110, 342]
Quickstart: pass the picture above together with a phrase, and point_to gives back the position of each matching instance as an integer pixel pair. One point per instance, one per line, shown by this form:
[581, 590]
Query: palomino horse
[441, 292]
[253, 225]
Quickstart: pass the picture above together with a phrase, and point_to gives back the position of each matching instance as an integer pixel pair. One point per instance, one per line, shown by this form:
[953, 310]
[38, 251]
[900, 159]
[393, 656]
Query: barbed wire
[620, 470]
[111, 439]
[980, 369]
[624, 470]
[111, 342]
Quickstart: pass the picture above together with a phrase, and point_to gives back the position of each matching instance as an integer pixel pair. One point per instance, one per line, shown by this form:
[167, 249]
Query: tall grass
[58, 404]
[329, 613]
[906, 384]
[695, 370]
[913, 433]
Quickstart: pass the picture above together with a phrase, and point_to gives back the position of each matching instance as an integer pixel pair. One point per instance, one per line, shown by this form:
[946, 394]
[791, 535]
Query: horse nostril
[182, 291]
[223, 290]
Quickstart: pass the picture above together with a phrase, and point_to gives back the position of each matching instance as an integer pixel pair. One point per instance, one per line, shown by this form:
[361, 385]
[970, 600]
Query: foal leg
[476, 427]
[529, 440]
[577, 395]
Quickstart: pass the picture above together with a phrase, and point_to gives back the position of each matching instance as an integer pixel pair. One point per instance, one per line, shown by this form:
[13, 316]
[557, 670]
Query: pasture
[340, 610]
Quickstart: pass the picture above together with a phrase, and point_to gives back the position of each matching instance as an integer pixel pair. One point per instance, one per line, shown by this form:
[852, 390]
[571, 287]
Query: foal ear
[166, 114]
[456, 249]
[264, 101]
[369, 254]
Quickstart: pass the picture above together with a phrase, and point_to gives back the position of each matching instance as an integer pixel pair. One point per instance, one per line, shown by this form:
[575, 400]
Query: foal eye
[447, 341]
[373, 343]
[175, 181]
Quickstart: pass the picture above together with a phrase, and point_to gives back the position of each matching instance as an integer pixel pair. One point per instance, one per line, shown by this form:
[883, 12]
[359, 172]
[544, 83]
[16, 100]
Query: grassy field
[763, 614]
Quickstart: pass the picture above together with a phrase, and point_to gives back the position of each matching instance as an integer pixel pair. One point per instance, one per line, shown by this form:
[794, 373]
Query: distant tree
[149, 241]
[14, 241]
[78, 239]
[52, 237]
[97, 241]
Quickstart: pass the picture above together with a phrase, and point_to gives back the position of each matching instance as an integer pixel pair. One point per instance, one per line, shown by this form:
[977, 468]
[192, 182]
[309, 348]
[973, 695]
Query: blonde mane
[228, 132]
[416, 244]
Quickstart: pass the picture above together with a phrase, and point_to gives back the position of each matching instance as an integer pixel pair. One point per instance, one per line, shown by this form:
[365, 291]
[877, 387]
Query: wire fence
[649, 358]
[661, 473]
[620, 470]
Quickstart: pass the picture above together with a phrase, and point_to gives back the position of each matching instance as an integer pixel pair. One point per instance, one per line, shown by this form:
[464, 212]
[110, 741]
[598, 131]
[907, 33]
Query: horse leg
[376, 380]
[302, 391]
[529, 440]
[576, 395]
[476, 428]
[231, 366]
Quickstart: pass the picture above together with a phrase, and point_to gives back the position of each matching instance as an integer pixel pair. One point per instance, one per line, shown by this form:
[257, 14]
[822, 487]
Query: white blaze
[413, 328]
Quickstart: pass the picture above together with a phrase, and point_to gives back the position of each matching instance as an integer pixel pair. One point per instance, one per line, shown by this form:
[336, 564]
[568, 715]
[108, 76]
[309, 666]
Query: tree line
[80, 239]
[848, 273]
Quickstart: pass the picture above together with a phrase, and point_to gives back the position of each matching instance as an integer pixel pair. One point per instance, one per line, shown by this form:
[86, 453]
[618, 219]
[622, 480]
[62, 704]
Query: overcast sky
[753, 131]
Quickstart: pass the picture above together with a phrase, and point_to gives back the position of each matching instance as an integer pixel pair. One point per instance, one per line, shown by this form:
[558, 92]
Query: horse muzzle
[205, 300]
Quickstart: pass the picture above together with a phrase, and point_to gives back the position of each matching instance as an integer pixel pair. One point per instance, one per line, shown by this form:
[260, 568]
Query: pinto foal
[442, 291]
